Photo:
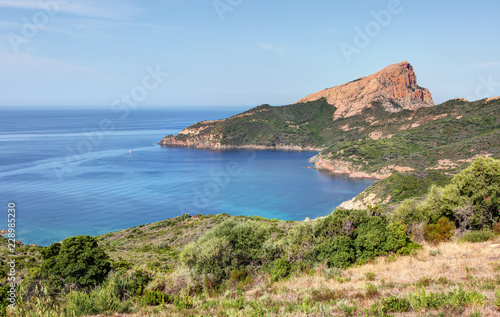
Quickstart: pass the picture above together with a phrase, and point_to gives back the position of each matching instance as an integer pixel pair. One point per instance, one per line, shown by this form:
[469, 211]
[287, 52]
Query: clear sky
[238, 52]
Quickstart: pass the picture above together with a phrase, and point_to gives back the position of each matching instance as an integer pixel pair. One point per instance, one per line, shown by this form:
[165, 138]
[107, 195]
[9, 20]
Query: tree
[78, 262]
[479, 185]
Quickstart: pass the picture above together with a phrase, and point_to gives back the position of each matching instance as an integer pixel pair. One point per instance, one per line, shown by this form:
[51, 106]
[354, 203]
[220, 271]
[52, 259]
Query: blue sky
[239, 52]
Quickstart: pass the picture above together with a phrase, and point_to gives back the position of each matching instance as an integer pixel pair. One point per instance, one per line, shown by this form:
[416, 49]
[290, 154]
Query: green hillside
[420, 139]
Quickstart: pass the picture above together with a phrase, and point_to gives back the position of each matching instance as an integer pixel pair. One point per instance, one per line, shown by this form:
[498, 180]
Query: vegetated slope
[445, 137]
[396, 188]
[425, 155]
[287, 126]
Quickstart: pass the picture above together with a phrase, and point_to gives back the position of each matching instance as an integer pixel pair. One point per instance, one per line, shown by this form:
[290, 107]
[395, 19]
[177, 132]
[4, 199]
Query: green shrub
[341, 222]
[348, 237]
[410, 248]
[349, 310]
[496, 302]
[496, 228]
[183, 302]
[371, 290]
[410, 212]
[236, 304]
[396, 237]
[480, 184]
[130, 284]
[395, 304]
[339, 252]
[455, 298]
[370, 276]
[154, 298]
[281, 269]
[101, 300]
[121, 265]
[343, 253]
[211, 258]
[370, 238]
[300, 233]
[77, 260]
[477, 236]
[238, 275]
[4, 299]
[440, 232]
[231, 244]
[472, 199]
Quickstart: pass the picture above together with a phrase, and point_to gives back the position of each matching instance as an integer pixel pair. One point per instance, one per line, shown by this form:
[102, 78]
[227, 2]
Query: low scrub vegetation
[471, 201]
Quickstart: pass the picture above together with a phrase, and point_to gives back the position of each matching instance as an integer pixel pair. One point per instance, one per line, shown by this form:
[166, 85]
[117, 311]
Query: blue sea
[69, 172]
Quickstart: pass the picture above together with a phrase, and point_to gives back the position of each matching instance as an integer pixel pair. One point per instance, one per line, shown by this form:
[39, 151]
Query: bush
[370, 238]
[232, 244]
[101, 300]
[370, 276]
[130, 284]
[454, 298]
[496, 302]
[477, 236]
[371, 290]
[480, 185]
[395, 304]
[281, 269]
[409, 212]
[154, 298]
[496, 228]
[77, 261]
[340, 247]
[121, 265]
[409, 248]
[346, 237]
[338, 252]
[341, 222]
[440, 232]
[396, 237]
[4, 299]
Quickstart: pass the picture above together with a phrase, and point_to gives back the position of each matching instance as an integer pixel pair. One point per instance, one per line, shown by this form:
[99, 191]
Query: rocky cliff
[395, 88]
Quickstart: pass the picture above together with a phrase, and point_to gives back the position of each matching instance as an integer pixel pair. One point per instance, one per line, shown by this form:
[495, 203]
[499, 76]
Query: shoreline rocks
[343, 168]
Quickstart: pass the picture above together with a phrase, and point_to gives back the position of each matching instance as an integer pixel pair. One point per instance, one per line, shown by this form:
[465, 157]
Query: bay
[69, 172]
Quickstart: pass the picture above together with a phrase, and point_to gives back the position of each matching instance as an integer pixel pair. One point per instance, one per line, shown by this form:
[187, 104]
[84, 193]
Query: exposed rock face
[343, 167]
[212, 144]
[395, 88]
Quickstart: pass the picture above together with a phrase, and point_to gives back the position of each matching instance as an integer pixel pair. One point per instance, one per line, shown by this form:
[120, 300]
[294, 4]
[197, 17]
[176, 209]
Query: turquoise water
[70, 173]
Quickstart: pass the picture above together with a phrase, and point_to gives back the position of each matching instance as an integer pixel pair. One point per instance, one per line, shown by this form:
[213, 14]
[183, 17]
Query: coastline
[214, 146]
[320, 163]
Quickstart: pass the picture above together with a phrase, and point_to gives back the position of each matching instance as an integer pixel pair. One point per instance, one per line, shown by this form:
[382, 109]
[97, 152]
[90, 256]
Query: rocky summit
[394, 87]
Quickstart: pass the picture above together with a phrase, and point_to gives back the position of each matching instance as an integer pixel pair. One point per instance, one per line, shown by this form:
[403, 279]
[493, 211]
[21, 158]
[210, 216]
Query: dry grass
[439, 269]
[473, 266]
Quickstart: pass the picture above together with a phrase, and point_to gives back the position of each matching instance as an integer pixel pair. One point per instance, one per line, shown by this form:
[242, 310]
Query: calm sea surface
[70, 173]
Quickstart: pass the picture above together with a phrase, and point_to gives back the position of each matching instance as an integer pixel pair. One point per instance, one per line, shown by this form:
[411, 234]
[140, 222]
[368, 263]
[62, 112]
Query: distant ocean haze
[70, 172]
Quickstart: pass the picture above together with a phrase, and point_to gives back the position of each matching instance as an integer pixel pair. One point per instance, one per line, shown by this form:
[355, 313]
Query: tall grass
[101, 300]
